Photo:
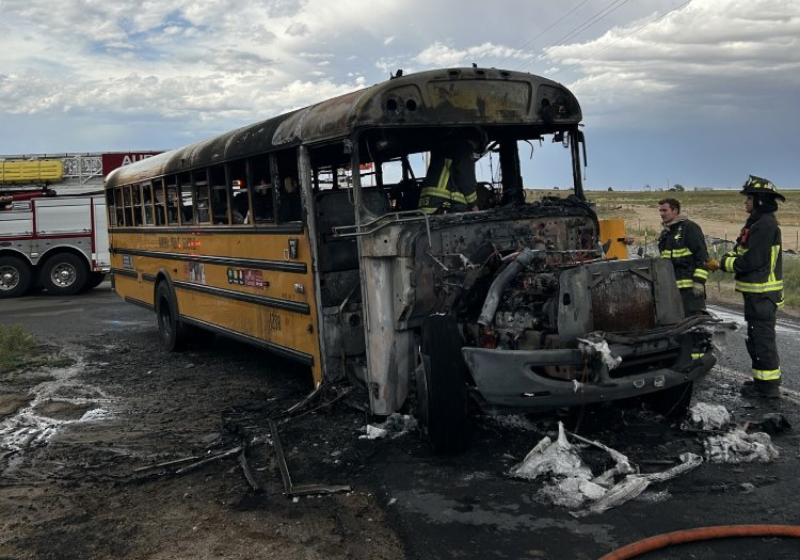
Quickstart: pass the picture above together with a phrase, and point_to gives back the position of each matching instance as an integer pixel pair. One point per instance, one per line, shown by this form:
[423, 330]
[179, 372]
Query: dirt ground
[82, 448]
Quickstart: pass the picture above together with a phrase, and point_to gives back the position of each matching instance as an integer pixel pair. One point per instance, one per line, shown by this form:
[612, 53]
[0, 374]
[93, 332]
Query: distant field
[723, 206]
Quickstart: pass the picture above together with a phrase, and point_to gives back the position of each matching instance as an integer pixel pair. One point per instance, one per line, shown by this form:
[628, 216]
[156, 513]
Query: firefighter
[757, 264]
[682, 241]
[450, 184]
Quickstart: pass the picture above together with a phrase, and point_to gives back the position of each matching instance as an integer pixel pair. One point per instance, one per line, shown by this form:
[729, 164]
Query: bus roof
[446, 97]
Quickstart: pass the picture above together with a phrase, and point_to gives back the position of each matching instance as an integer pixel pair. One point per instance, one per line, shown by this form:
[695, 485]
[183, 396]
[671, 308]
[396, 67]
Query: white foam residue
[95, 414]
[26, 428]
[738, 446]
[708, 416]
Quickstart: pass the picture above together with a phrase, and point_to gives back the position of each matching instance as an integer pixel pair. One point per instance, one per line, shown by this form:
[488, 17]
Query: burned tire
[16, 277]
[173, 334]
[441, 387]
[673, 402]
[64, 274]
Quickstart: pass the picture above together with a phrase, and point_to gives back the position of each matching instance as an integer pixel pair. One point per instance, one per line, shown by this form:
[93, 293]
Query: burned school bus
[513, 305]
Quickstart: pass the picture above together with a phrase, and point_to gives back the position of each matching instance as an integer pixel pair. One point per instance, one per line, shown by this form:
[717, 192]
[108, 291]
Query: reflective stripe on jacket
[757, 259]
[450, 181]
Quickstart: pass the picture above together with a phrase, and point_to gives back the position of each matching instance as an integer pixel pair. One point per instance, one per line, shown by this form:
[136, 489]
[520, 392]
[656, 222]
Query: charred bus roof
[455, 96]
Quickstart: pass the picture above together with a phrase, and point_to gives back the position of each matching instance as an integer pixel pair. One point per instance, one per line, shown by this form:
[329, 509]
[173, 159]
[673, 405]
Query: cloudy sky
[698, 92]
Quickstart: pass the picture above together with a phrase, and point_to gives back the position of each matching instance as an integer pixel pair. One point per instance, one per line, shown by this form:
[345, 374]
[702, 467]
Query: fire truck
[47, 241]
[56, 243]
[53, 226]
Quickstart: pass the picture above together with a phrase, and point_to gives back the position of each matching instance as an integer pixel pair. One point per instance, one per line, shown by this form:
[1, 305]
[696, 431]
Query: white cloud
[709, 59]
[206, 67]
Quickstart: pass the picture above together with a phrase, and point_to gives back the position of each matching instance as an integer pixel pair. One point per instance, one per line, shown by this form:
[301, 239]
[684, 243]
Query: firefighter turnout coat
[450, 181]
[757, 264]
[682, 241]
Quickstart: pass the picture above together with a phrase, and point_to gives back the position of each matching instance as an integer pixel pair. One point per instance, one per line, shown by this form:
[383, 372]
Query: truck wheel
[64, 274]
[441, 387]
[15, 277]
[173, 333]
[673, 402]
[95, 279]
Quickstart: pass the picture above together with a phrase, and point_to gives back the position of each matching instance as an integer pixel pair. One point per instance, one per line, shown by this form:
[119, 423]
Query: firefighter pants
[692, 304]
[759, 312]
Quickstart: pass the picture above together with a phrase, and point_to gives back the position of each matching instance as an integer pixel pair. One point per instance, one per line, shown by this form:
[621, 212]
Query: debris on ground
[772, 423]
[731, 444]
[570, 483]
[705, 416]
[394, 426]
[738, 446]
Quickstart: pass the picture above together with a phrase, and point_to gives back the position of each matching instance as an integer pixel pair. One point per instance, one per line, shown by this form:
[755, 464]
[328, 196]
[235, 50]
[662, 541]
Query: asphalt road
[468, 507]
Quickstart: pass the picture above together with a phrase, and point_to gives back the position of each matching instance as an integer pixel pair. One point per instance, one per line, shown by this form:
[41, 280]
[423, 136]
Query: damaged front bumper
[626, 367]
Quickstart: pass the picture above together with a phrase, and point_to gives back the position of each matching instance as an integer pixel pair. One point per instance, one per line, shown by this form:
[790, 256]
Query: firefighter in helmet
[757, 264]
[450, 184]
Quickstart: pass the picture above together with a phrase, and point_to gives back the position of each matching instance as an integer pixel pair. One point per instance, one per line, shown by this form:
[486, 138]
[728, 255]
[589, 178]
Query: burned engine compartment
[536, 278]
[468, 252]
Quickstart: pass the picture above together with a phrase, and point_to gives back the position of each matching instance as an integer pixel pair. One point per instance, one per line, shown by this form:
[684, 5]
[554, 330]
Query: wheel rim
[9, 278]
[63, 275]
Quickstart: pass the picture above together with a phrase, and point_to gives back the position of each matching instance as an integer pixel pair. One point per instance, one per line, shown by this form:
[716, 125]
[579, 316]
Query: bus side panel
[237, 284]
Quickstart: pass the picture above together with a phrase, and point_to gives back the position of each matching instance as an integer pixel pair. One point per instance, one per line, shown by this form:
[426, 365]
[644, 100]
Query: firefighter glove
[712, 265]
[698, 289]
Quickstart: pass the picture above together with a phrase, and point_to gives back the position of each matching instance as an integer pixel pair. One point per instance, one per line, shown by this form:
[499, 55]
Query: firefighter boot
[758, 389]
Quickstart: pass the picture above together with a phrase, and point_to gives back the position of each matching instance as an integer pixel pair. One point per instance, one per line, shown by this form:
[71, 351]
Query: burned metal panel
[468, 95]
[622, 301]
[616, 296]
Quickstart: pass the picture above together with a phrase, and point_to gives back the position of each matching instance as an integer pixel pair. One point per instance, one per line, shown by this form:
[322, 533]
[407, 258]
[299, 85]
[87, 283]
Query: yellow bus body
[228, 281]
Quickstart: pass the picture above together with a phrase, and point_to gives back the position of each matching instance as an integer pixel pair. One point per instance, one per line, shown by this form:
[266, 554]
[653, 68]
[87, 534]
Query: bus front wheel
[171, 331]
[441, 387]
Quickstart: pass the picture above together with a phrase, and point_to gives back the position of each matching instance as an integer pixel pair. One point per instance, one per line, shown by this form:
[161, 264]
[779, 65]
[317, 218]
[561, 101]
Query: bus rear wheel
[64, 274]
[441, 387]
[173, 333]
[15, 277]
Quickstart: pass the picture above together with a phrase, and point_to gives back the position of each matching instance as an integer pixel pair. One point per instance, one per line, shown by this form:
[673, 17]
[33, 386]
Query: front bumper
[515, 379]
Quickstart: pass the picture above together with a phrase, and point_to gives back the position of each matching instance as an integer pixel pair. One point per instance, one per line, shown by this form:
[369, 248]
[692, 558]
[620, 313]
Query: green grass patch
[20, 350]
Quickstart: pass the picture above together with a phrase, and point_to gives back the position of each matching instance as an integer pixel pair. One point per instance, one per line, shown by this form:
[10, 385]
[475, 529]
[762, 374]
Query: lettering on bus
[127, 261]
[190, 243]
[274, 322]
[247, 277]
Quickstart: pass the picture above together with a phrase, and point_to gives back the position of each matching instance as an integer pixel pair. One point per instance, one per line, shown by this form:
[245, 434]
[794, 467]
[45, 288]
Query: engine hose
[496, 289]
[700, 534]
